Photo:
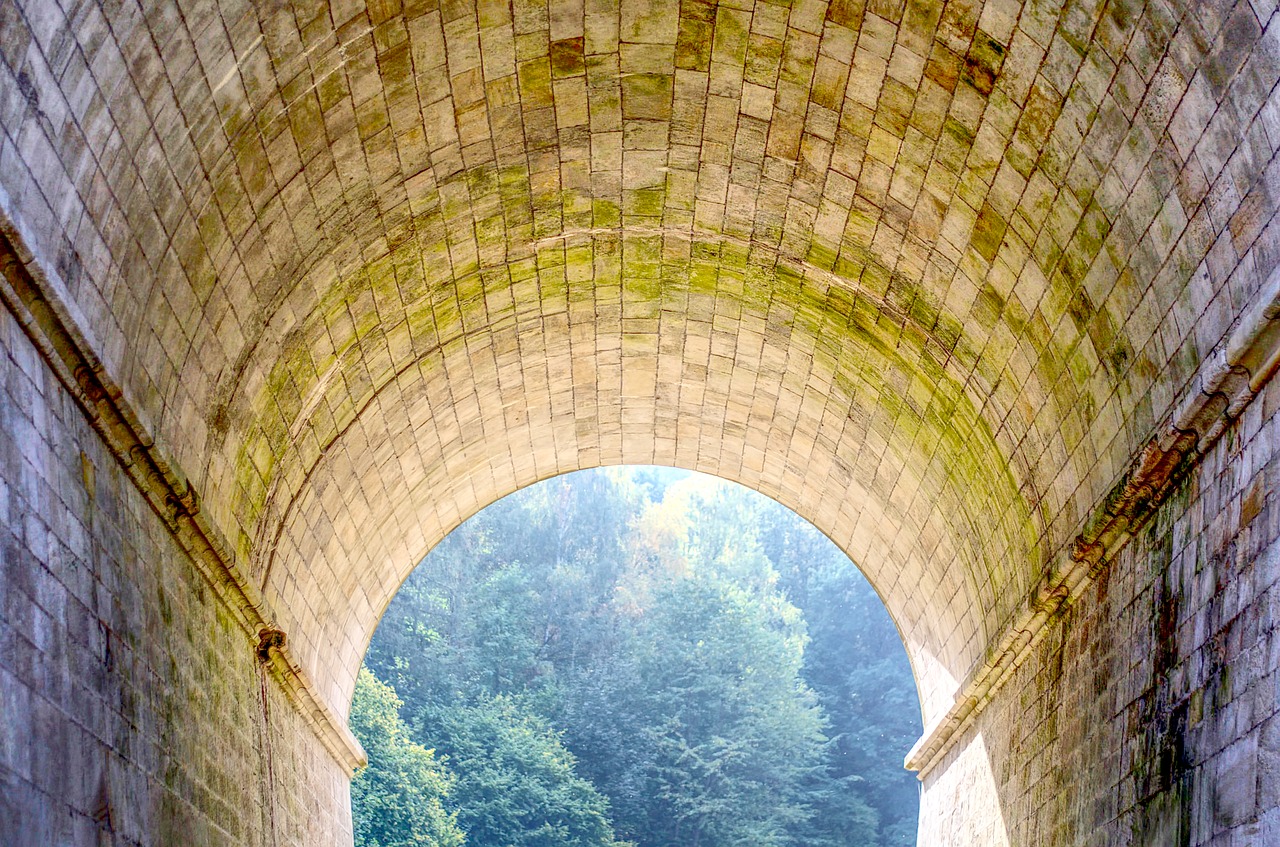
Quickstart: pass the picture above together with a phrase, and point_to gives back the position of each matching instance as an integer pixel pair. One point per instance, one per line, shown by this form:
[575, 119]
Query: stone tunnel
[986, 290]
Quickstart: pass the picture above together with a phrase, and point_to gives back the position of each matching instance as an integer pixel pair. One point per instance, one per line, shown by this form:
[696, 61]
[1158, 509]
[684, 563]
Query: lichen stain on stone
[567, 58]
[1162, 765]
[1164, 819]
[694, 38]
[318, 382]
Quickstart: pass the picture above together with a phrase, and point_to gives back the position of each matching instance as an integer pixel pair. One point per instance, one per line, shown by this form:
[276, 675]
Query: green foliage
[658, 656]
[736, 737]
[398, 800]
[856, 663]
[516, 782]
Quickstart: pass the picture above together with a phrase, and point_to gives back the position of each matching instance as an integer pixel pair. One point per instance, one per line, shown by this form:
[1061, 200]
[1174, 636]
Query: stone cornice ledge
[1228, 379]
[47, 322]
[301, 692]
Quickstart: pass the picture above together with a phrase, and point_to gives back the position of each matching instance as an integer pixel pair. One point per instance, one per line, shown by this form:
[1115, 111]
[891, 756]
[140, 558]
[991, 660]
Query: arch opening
[676, 642]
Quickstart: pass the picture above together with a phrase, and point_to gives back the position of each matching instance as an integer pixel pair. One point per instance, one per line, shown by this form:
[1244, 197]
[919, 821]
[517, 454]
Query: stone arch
[761, 400]
[951, 280]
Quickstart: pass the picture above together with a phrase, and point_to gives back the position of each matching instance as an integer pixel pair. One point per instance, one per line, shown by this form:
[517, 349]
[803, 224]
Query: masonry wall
[1151, 715]
[134, 711]
[132, 707]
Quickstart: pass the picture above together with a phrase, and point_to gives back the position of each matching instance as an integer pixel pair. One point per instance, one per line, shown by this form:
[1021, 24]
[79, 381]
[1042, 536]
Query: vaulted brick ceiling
[927, 273]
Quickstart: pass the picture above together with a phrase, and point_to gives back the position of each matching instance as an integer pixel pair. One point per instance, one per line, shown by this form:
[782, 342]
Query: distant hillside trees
[642, 657]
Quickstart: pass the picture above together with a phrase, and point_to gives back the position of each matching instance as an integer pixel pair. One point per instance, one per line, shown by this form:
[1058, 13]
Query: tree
[398, 800]
[854, 659]
[856, 663]
[516, 783]
[732, 739]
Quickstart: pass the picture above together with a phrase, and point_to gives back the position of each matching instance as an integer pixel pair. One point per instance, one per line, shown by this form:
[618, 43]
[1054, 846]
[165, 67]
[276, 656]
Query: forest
[635, 657]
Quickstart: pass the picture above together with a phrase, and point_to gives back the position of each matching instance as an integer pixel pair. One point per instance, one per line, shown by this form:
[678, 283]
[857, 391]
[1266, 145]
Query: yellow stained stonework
[984, 290]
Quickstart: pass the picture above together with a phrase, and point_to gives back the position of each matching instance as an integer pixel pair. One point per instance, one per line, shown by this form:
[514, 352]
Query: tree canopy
[399, 800]
[638, 656]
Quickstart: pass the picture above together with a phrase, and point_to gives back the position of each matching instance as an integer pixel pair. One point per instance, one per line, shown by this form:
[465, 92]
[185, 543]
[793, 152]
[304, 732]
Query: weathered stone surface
[133, 708]
[932, 274]
[1149, 716]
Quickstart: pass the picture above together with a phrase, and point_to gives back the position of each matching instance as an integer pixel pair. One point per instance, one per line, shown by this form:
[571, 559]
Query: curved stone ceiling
[927, 273]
